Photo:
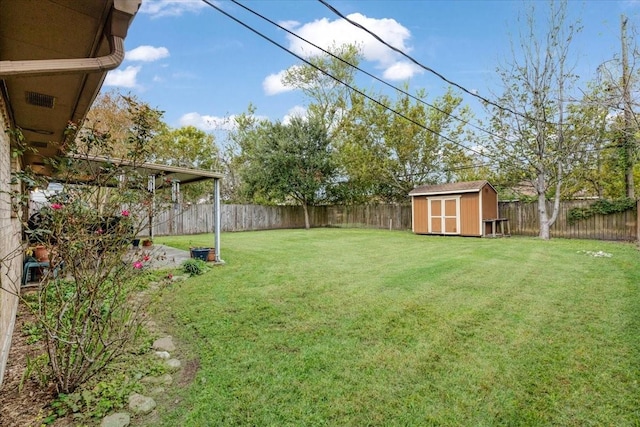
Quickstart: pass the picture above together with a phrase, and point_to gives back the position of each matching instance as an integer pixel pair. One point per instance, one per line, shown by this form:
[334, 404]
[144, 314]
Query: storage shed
[460, 208]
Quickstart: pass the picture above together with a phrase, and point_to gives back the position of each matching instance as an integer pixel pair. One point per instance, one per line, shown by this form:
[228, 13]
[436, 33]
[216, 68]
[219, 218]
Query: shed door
[444, 215]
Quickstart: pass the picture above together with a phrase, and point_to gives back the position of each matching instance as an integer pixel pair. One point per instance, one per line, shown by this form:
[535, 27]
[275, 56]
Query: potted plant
[135, 242]
[200, 253]
[147, 242]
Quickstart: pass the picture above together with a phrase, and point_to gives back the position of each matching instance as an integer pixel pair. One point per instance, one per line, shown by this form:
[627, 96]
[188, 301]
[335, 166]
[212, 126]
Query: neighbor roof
[452, 187]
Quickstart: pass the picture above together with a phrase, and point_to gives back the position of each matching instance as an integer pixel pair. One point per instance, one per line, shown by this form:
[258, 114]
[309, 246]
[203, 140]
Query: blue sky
[200, 67]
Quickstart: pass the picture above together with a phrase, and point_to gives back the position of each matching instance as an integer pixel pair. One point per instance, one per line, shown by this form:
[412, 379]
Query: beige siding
[10, 252]
[470, 214]
[420, 215]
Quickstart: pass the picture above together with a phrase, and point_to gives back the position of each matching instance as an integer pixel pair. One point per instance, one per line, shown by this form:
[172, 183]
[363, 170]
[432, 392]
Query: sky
[201, 68]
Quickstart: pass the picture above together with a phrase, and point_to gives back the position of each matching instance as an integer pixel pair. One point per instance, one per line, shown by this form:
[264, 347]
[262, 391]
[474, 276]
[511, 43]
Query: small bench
[497, 222]
[38, 264]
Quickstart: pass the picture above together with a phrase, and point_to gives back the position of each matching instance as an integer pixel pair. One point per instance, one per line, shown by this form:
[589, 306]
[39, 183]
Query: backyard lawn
[354, 327]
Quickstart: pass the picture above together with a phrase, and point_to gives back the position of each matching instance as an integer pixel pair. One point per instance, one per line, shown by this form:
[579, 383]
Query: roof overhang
[163, 174]
[54, 56]
[451, 188]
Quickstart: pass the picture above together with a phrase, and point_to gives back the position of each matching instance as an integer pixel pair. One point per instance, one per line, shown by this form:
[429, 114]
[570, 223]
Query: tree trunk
[305, 208]
[543, 217]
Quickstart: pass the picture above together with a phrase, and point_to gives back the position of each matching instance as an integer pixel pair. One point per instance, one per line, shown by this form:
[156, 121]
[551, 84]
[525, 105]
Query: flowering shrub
[87, 315]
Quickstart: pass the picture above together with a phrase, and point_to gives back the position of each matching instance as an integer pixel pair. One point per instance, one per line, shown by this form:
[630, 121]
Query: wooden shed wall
[419, 218]
[470, 214]
[489, 203]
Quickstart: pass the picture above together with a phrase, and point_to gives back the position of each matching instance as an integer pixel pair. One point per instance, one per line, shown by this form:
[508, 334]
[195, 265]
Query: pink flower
[146, 258]
[137, 265]
[99, 231]
[125, 212]
[169, 276]
[56, 206]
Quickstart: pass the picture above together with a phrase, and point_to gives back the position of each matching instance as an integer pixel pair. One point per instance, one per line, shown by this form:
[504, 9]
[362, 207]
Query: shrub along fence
[523, 219]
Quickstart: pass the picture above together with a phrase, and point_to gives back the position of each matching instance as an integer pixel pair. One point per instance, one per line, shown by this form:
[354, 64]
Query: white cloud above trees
[123, 78]
[163, 8]
[147, 53]
[326, 34]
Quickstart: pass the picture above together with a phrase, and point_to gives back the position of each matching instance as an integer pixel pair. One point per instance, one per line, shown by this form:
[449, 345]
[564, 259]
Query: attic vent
[40, 99]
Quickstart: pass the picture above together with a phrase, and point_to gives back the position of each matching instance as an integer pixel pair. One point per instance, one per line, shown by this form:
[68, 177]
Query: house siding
[10, 244]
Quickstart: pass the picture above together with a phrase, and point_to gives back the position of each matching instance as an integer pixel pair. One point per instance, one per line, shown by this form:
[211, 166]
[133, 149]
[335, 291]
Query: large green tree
[390, 146]
[288, 162]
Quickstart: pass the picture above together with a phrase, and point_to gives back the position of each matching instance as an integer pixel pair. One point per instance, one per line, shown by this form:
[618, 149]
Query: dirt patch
[23, 401]
[188, 372]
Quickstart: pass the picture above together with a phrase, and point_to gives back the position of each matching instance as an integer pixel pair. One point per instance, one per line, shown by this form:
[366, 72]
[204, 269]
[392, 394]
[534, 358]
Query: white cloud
[272, 84]
[211, 123]
[123, 78]
[147, 53]
[161, 8]
[289, 25]
[401, 71]
[326, 33]
[297, 111]
[204, 122]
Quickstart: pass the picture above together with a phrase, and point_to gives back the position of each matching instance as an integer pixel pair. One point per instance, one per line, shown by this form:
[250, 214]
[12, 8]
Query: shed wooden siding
[419, 217]
[470, 206]
[454, 208]
[489, 206]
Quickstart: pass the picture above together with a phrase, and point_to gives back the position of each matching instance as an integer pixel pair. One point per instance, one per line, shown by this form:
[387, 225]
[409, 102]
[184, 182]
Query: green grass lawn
[353, 327]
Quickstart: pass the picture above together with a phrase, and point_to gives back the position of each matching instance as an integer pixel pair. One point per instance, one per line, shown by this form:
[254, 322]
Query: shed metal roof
[450, 188]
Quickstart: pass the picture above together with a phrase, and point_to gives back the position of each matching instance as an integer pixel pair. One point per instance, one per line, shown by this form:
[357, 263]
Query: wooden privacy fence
[523, 219]
[193, 219]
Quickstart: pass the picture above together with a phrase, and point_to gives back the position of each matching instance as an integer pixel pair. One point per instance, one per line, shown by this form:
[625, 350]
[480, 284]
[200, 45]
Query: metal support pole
[175, 198]
[151, 186]
[216, 216]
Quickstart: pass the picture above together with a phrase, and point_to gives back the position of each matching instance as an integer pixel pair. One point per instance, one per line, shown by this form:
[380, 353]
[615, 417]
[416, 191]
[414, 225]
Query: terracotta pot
[147, 243]
[41, 253]
[212, 255]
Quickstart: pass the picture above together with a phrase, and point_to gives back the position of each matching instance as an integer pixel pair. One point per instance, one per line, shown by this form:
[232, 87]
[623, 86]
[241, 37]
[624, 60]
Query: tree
[188, 147]
[535, 142]
[288, 162]
[112, 115]
[329, 98]
[387, 153]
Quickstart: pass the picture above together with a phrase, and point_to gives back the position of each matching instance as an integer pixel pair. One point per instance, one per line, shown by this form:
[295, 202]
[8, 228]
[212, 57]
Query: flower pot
[211, 256]
[200, 253]
[135, 243]
[147, 243]
[41, 253]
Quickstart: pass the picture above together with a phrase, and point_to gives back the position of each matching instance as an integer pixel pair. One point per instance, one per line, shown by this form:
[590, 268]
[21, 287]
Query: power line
[270, 40]
[466, 122]
[429, 69]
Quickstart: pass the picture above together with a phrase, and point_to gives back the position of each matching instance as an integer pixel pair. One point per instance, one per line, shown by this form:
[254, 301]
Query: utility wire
[466, 122]
[270, 40]
[431, 70]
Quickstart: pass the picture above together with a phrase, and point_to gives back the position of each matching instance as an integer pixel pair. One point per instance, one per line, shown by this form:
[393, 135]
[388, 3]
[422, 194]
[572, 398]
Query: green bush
[195, 267]
[601, 207]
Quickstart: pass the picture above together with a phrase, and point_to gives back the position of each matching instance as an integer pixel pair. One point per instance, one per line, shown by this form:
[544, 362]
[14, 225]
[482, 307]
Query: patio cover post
[175, 198]
[216, 216]
[151, 186]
